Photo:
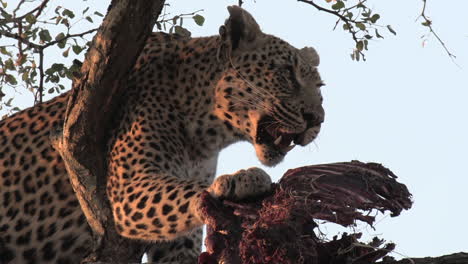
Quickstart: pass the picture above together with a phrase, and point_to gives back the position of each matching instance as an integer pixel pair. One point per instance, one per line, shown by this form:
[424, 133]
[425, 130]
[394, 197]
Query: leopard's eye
[288, 70]
[320, 84]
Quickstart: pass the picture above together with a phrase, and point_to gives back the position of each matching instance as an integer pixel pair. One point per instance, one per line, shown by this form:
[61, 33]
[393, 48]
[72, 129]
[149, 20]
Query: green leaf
[182, 31]
[360, 45]
[10, 65]
[158, 25]
[11, 80]
[98, 14]
[199, 19]
[391, 30]
[4, 4]
[62, 41]
[6, 15]
[426, 23]
[377, 34]
[361, 26]
[174, 19]
[77, 49]
[15, 109]
[368, 36]
[89, 19]
[60, 36]
[57, 67]
[57, 10]
[357, 55]
[374, 18]
[25, 76]
[44, 35]
[31, 19]
[85, 10]
[8, 103]
[65, 22]
[65, 53]
[58, 19]
[51, 90]
[338, 5]
[4, 51]
[68, 13]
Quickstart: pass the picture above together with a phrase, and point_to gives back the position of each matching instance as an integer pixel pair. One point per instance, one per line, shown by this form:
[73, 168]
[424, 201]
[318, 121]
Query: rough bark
[81, 140]
[456, 258]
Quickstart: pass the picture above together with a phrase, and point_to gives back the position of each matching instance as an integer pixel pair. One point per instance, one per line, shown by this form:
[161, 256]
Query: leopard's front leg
[162, 207]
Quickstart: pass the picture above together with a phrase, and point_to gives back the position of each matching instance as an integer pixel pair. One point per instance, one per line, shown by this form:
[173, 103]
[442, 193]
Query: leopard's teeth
[278, 140]
[290, 148]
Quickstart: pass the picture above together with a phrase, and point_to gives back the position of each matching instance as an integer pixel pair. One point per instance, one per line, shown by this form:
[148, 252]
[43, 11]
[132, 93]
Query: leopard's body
[186, 100]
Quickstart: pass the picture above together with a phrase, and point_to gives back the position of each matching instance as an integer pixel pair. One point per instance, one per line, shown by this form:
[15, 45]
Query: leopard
[186, 99]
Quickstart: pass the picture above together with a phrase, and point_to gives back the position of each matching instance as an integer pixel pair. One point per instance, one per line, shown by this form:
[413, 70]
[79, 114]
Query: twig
[428, 23]
[80, 35]
[240, 3]
[19, 38]
[340, 16]
[41, 77]
[40, 50]
[18, 7]
[181, 15]
[354, 6]
[38, 10]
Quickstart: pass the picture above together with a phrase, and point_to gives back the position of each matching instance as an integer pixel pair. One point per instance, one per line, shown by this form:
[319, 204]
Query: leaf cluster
[356, 18]
[175, 24]
[33, 32]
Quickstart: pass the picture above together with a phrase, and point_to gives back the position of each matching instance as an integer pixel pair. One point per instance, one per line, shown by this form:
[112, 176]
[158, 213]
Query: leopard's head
[270, 91]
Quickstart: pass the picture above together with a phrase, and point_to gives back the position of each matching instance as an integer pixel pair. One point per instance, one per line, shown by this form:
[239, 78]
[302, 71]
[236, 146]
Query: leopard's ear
[310, 55]
[240, 31]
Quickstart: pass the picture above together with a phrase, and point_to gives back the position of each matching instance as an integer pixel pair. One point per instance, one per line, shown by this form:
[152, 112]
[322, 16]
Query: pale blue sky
[405, 107]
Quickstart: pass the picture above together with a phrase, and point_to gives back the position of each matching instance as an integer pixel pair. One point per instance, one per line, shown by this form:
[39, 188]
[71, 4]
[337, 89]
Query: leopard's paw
[240, 185]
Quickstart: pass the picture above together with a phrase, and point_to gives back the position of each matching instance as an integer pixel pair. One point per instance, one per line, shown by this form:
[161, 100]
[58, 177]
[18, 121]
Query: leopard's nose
[315, 117]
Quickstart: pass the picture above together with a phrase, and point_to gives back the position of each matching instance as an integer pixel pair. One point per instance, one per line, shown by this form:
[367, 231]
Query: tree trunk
[81, 141]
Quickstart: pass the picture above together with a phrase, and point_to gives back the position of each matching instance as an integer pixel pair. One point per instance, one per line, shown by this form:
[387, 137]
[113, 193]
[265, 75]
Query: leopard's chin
[268, 156]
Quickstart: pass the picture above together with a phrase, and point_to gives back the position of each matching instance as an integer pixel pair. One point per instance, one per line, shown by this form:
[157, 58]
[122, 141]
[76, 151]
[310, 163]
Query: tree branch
[456, 258]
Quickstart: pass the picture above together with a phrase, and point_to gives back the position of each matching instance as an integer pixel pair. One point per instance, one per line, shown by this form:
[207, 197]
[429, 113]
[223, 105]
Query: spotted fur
[186, 99]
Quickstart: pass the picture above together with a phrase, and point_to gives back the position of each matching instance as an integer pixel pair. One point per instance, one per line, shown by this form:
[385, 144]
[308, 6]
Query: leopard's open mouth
[271, 133]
